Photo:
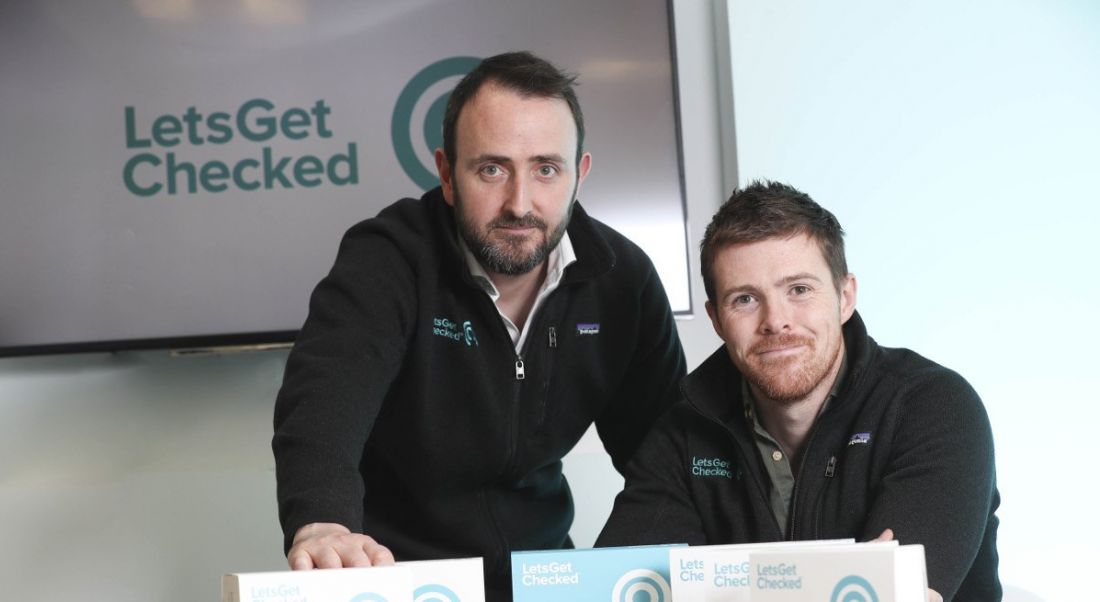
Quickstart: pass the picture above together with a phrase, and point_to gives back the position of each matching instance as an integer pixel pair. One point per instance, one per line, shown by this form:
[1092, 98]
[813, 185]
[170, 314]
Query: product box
[374, 584]
[874, 571]
[458, 580]
[720, 573]
[638, 573]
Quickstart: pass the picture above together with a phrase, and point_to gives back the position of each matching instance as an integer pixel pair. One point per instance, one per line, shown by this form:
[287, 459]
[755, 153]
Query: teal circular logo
[853, 588]
[368, 597]
[434, 593]
[641, 585]
[401, 126]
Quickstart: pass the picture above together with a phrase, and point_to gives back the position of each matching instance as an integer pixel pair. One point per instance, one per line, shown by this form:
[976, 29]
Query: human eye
[801, 291]
[741, 301]
[547, 171]
[491, 171]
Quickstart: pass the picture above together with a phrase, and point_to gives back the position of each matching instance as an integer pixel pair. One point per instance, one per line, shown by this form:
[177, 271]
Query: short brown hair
[766, 209]
[521, 72]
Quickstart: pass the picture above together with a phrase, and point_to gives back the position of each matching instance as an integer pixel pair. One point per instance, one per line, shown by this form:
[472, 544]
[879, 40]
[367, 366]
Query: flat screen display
[180, 172]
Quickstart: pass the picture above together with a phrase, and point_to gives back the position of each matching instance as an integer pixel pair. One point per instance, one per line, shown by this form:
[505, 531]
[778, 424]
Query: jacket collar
[714, 388]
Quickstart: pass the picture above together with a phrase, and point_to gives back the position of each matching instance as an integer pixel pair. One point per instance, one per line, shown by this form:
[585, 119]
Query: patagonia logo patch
[860, 439]
[588, 329]
[712, 467]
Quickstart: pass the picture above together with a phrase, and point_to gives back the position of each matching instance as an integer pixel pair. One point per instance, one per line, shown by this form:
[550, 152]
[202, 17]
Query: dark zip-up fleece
[402, 414]
[906, 445]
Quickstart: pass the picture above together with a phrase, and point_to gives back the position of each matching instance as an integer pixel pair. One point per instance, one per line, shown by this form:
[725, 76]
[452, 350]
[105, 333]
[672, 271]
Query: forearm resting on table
[333, 546]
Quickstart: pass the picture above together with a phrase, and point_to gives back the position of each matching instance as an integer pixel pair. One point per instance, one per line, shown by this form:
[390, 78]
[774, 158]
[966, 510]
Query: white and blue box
[873, 571]
[721, 573]
[374, 584]
[628, 574]
[457, 580]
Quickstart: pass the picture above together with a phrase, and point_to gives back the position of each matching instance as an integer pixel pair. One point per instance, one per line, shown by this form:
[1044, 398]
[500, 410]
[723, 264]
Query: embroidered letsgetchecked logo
[443, 327]
[860, 439]
[711, 467]
[586, 329]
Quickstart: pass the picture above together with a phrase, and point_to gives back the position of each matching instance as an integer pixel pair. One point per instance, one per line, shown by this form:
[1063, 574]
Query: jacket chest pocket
[842, 507]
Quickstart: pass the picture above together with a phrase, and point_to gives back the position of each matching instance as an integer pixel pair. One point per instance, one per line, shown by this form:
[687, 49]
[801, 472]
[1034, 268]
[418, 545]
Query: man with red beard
[801, 426]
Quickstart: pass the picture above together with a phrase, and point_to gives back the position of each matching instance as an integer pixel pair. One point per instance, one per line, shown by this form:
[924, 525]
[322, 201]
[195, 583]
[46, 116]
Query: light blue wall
[959, 145]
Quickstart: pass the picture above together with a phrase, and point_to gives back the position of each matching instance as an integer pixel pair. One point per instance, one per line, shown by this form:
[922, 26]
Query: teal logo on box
[632, 574]
[367, 597]
[434, 593]
[641, 584]
[853, 588]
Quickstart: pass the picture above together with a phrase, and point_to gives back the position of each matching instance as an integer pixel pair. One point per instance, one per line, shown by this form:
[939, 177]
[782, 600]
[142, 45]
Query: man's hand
[332, 546]
[888, 535]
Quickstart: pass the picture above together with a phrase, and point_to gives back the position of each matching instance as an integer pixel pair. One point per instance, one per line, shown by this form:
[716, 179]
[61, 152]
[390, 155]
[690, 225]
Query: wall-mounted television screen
[179, 172]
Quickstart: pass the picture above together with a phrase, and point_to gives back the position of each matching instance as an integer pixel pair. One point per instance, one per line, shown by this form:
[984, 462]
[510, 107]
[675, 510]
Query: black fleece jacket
[401, 414]
[906, 445]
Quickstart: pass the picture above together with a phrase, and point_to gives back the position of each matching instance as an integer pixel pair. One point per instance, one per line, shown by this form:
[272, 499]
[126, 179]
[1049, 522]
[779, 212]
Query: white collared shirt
[560, 256]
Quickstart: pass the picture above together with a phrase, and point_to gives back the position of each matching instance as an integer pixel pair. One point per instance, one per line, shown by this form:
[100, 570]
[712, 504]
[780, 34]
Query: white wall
[140, 476]
[957, 142]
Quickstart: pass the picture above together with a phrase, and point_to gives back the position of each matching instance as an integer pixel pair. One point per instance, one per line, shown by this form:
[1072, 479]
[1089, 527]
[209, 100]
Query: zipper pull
[830, 469]
[519, 369]
[553, 335]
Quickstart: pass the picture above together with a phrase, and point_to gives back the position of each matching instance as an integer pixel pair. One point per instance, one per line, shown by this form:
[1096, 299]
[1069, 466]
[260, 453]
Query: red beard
[788, 378]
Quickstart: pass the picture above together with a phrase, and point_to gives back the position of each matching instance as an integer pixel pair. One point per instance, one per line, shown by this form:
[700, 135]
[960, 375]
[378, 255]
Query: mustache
[780, 341]
[526, 221]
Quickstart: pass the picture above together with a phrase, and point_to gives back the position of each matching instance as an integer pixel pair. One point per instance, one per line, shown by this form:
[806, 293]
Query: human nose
[519, 202]
[775, 317]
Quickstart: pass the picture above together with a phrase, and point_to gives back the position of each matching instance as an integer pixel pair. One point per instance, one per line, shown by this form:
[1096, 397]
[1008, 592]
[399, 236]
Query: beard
[503, 253]
[790, 378]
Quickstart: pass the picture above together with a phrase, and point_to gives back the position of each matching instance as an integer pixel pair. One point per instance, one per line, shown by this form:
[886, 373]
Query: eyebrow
[739, 290]
[748, 288]
[488, 158]
[491, 158]
[551, 158]
[797, 277]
